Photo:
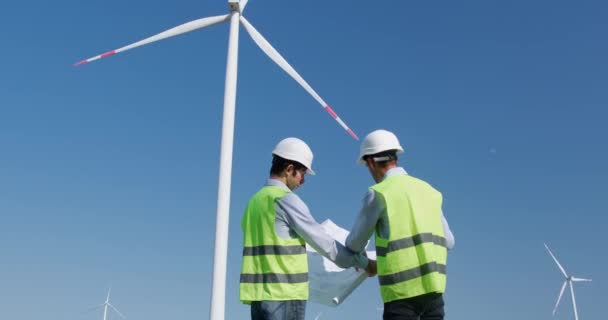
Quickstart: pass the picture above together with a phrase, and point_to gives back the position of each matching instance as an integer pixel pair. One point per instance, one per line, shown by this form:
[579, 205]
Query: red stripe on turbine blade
[80, 63]
[331, 112]
[352, 134]
[109, 53]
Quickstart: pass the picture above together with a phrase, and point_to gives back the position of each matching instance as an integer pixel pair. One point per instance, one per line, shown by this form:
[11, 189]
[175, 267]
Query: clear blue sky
[109, 171]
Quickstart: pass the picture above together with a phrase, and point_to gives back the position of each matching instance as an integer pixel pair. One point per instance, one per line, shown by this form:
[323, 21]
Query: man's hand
[371, 268]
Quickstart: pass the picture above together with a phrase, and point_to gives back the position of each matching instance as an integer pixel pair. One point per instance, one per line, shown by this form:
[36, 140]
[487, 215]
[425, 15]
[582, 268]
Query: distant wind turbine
[569, 281]
[107, 307]
[234, 18]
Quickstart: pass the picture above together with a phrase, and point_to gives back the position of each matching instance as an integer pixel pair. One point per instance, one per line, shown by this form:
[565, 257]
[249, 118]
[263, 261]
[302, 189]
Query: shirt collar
[395, 171]
[276, 183]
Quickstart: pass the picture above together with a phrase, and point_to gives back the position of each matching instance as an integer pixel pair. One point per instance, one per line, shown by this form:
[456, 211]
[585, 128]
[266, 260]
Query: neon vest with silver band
[273, 268]
[412, 261]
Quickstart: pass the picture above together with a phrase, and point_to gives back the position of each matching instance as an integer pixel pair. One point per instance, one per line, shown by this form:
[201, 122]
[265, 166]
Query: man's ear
[289, 169]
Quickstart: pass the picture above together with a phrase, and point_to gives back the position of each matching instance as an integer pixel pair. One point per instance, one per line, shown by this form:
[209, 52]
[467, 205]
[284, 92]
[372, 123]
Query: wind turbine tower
[234, 18]
[569, 281]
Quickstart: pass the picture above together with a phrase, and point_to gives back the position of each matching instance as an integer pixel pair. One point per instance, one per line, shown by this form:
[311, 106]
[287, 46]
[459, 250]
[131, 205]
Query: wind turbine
[107, 307]
[236, 8]
[569, 281]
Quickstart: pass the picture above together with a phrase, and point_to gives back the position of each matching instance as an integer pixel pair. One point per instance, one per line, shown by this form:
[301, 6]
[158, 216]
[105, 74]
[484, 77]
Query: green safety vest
[412, 261]
[273, 268]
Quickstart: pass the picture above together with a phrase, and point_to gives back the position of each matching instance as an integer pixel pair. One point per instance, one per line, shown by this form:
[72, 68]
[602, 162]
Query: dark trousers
[278, 310]
[425, 307]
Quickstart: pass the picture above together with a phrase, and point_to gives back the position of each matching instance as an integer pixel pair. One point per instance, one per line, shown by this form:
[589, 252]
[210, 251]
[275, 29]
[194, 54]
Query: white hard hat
[296, 150]
[378, 141]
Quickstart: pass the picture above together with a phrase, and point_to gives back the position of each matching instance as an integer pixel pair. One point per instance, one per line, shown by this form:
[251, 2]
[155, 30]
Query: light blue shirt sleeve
[449, 237]
[365, 223]
[299, 219]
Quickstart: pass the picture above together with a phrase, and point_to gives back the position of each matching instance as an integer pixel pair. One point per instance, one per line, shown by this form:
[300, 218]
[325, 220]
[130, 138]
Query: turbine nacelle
[236, 5]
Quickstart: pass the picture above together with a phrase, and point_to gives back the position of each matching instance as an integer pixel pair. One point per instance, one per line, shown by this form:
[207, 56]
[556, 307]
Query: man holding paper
[412, 235]
[276, 225]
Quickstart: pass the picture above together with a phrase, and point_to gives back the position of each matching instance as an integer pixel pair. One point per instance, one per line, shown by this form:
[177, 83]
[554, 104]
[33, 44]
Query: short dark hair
[382, 158]
[279, 164]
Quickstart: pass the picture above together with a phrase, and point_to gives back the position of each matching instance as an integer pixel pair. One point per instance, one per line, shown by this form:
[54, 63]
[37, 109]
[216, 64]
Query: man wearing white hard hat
[276, 225]
[411, 233]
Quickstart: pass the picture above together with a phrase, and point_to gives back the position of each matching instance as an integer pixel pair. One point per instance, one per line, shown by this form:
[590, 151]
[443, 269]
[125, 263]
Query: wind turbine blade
[243, 3]
[573, 302]
[120, 314]
[319, 315]
[561, 292]
[278, 59]
[108, 297]
[181, 29]
[557, 262]
[580, 279]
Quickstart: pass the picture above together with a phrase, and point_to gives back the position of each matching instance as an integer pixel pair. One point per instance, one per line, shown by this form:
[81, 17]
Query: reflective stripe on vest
[412, 261]
[274, 278]
[405, 243]
[276, 250]
[273, 268]
[411, 273]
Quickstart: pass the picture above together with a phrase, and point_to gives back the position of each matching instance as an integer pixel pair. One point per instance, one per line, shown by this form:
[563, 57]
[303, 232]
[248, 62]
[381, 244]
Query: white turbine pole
[105, 311]
[218, 294]
[105, 305]
[573, 300]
